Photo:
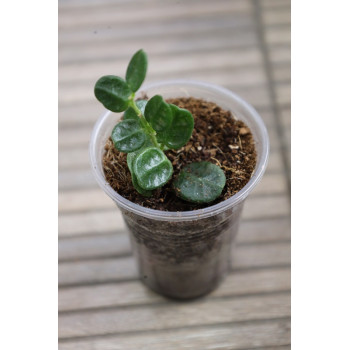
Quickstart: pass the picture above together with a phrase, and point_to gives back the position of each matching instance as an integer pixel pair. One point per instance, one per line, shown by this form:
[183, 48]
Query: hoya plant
[150, 127]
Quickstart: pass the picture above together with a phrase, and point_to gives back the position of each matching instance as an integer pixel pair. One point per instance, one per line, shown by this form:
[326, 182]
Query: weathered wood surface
[243, 45]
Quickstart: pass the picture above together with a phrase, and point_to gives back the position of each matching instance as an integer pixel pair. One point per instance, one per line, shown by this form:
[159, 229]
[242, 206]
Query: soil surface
[217, 137]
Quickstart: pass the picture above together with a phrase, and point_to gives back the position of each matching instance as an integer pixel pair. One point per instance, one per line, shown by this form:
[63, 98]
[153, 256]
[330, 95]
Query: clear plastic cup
[184, 254]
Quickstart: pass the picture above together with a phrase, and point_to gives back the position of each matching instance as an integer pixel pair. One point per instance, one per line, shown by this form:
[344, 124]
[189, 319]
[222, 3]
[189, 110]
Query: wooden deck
[241, 44]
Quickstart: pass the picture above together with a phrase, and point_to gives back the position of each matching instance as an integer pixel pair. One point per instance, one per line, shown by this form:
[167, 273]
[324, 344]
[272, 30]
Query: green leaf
[141, 105]
[128, 135]
[130, 113]
[136, 71]
[152, 168]
[200, 182]
[130, 160]
[180, 129]
[158, 113]
[113, 92]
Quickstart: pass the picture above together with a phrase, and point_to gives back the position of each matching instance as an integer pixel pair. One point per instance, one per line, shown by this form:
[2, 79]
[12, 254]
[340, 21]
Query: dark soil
[217, 137]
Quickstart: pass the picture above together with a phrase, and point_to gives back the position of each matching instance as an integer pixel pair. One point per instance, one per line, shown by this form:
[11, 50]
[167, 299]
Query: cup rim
[198, 213]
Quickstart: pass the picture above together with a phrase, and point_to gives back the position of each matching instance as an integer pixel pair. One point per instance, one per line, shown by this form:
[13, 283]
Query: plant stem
[150, 131]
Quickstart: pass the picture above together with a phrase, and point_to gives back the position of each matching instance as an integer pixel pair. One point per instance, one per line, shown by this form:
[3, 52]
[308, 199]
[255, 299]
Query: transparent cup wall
[184, 254]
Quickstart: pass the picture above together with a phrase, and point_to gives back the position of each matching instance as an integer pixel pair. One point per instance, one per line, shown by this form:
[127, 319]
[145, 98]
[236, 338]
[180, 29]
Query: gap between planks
[97, 271]
[169, 316]
[264, 334]
[133, 293]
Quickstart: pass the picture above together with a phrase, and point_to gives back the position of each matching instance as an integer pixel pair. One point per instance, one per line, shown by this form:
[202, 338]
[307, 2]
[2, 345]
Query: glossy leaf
[152, 168]
[129, 114]
[141, 105]
[113, 92]
[200, 182]
[180, 129]
[128, 135]
[158, 113]
[136, 71]
[130, 160]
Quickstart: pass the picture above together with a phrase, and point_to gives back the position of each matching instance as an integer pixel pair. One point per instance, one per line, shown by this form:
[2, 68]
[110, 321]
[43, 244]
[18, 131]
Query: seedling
[147, 130]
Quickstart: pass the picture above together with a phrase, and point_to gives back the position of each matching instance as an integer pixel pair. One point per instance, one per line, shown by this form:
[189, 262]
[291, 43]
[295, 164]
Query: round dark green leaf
[152, 168]
[200, 182]
[180, 129]
[130, 113]
[113, 92]
[158, 113]
[130, 160]
[136, 71]
[128, 136]
[141, 105]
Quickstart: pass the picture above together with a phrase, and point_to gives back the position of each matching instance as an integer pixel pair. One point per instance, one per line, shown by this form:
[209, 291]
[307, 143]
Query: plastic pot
[184, 254]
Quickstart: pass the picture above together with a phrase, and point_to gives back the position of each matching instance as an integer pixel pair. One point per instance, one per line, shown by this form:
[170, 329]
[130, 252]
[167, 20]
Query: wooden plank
[147, 13]
[79, 115]
[173, 315]
[81, 200]
[276, 16]
[281, 73]
[94, 246]
[116, 269]
[74, 179]
[280, 35]
[92, 222]
[280, 55]
[95, 198]
[250, 81]
[135, 293]
[118, 244]
[69, 5]
[75, 136]
[275, 3]
[263, 231]
[84, 114]
[258, 97]
[175, 31]
[105, 50]
[285, 114]
[269, 254]
[269, 334]
[283, 93]
[160, 67]
[260, 207]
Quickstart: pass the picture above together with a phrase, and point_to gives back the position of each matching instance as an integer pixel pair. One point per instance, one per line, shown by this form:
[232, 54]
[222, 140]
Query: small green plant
[147, 130]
